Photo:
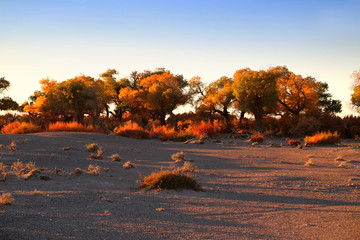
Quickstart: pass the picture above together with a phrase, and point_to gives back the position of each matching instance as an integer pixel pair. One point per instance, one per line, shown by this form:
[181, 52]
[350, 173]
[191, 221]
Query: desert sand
[249, 192]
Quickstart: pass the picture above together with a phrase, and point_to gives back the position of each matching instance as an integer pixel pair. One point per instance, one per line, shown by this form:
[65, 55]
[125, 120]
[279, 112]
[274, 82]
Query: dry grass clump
[257, 137]
[204, 129]
[163, 133]
[93, 147]
[129, 165]
[338, 159]
[94, 169]
[188, 167]
[294, 143]
[77, 172]
[12, 146]
[309, 162]
[20, 128]
[3, 167]
[115, 158]
[323, 138]
[166, 179]
[178, 157]
[70, 127]
[132, 130]
[16, 166]
[30, 166]
[98, 155]
[6, 199]
[36, 192]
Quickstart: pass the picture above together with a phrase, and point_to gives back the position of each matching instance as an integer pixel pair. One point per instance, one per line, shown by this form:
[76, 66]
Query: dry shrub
[309, 163]
[93, 147]
[115, 158]
[77, 172]
[178, 157]
[128, 165]
[70, 127]
[16, 166]
[188, 167]
[12, 146]
[306, 126]
[163, 133]
[204, 129]
[132, 130]
[94, 169]
[98, 155]
[6, 199]
[257, 137]
[36, 192]
[20, 128]
[3, 168]
[1, 146]
[338, 159]
[294, 143]
[169, 180]
[323, 138]
[30, 166]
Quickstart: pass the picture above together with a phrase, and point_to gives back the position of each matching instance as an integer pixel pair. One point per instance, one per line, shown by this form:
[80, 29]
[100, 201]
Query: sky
[61, 39]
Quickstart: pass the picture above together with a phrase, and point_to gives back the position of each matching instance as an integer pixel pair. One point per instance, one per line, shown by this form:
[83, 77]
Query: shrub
[169, 180]
[3, 168]
[178, 157]
[162, 132]
[309, 163]
[6, 199]
[20, 128]
[323, 138]
[94, 169]
[257, 137]
[129, 165]
[188, 167]
[12, 146]
[70, 127]
[16, 166]
[293, 143]
[77, 172]
[204, 129]
[93, 147]
[132, 130]
[115, 158]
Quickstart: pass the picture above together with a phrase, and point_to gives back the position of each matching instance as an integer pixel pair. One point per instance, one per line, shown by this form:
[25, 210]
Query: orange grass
[257, 137]
[6, 199]
[293, 143]
[132, 130]
[162, 132]
[204, 129]
[169, 180]
[20, 128]
[70, 127]
[323, 138]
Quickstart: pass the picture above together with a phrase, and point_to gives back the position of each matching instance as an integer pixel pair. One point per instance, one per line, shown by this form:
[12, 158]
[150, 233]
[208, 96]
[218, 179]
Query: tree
[256, 91]
[295, 93]
[326, 104]
[6, 103]
[219, 98]
[355, 96]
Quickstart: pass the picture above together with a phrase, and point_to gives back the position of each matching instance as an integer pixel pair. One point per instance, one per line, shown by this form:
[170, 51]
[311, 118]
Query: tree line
[155, 95]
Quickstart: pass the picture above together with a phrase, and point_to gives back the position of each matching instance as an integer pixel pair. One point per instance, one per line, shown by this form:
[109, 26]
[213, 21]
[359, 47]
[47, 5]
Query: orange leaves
[37, 107]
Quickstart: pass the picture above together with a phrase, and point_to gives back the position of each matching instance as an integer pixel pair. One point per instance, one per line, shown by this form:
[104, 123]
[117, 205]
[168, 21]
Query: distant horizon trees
[151, 96]
[6, 103]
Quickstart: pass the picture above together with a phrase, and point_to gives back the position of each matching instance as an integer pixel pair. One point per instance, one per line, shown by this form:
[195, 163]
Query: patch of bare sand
[251, 192]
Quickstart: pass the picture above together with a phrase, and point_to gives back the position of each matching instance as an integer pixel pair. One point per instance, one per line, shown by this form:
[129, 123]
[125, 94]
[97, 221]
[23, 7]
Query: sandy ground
[250, 192]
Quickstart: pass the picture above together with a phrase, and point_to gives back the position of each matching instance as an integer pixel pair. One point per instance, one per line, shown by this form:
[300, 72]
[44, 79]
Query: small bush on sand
[16, 166]
[132, 130]
[6, 199]
[94, 169]
[77, 172]
[115, 158]
[3, 168]
[128, 165]
[169, 180]
[338, 159]
[309, 163]
[178, 157]
[257, 137]
[323, 138]
[294, 143]
[92, 147]
[12, 146]
[188, 168]
[204, 129]
[70, 127]
[20, 128]
[36, 192]
[30, 166]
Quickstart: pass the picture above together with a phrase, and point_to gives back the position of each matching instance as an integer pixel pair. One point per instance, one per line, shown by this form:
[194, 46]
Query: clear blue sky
[64, 38]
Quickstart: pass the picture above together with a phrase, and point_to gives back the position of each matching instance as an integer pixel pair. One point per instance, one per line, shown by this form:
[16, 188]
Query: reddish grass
[323, 138]
[204, 129]
[257, 137]
[132, 130]
[169, 180]
[70, 127]
[162, 132]
[20, 128]
[293, 143]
